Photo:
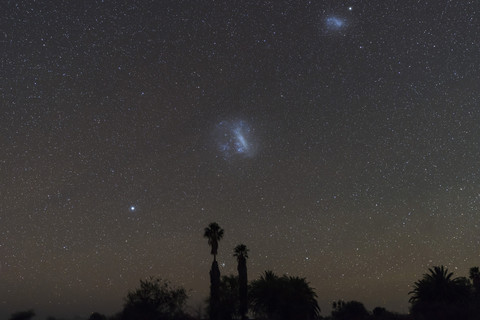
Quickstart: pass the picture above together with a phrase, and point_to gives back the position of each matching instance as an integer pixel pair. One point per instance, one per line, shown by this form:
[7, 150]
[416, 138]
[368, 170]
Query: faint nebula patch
[234, 138]
[334, 23]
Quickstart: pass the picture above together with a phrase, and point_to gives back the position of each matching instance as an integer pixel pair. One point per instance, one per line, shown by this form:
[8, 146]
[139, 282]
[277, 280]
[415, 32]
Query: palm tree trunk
[214, 291]
[243, 285]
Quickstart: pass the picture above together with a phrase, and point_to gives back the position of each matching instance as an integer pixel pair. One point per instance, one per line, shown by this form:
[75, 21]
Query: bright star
[132, 208]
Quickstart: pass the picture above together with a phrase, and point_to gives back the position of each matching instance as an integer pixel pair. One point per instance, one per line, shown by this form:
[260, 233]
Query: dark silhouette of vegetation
[23, 315]
[283, 298]
[355, 310]
[214, 291]
[438, 295]
[380, 313]
[228, 306]
[97, 316]
[214, 234]
[156, 299]
[351, 310]
[439, 286]
[241, 253]
[474, 275]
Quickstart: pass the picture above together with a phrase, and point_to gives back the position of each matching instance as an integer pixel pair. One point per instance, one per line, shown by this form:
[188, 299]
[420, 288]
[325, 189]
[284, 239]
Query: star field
[338, 140]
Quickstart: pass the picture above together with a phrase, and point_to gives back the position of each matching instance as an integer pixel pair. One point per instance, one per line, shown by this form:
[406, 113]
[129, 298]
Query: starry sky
[339, 140]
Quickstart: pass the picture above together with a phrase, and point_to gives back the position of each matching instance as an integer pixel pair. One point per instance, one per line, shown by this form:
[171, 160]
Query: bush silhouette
[155, 299]
[228, 304]
[23, 315]
[351, 310]
[97, 316]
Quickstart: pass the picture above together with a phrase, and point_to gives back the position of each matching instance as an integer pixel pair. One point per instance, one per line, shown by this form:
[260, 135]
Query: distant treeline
[438, 295]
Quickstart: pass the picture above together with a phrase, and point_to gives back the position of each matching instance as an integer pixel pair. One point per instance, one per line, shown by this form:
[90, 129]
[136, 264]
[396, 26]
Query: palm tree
[264, 294]
[214, 234]
[302, 299]
[439, 295]
[439, 286]
[283, 298]
[241, 253]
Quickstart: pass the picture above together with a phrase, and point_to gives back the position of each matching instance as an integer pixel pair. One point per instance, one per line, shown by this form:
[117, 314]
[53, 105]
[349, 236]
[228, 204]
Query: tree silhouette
[228, 305]
[474, 275]
[439, 286]
[23, 315]
[97, 316]
[438, 295]
[155, 299]
[379, 312]
[241, 253]
[301, 299]
[351, 310]
[264, 294]
[214, 234]
[283, 298]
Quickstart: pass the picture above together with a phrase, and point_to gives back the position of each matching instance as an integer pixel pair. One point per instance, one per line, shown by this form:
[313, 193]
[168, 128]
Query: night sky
[339, 140]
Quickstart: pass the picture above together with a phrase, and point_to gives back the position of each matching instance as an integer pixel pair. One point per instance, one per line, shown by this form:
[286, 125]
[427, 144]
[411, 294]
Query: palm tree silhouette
[438, 295]
[241, 253]
[439, 286]
[214, 234]
[302, 299]
[283, 298]
[264, 294]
